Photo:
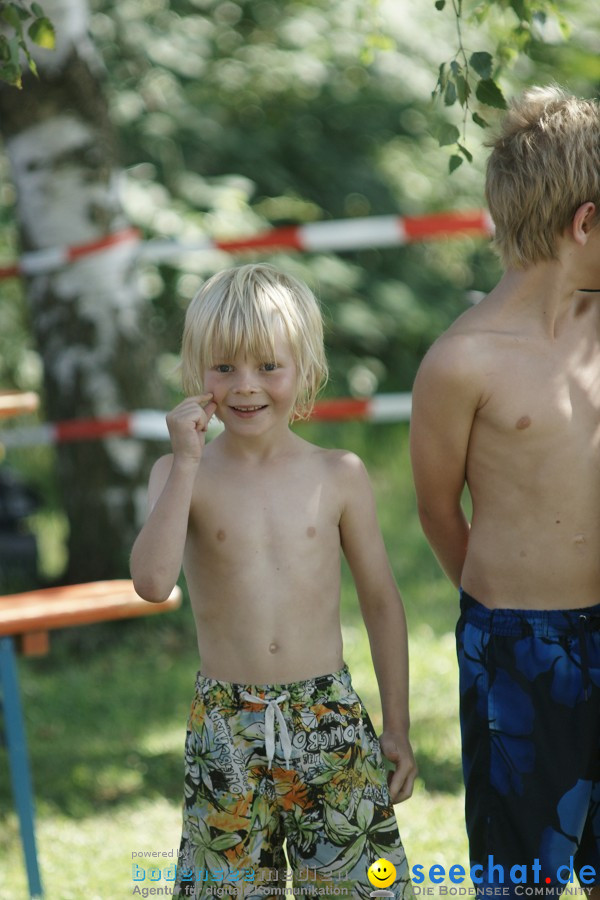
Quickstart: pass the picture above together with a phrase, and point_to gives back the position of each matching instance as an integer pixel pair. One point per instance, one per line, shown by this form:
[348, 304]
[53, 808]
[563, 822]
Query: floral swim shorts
[298, 763]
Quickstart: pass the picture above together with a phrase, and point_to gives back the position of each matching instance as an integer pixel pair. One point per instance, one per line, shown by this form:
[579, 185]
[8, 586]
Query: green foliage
[519, 27]
[239, 116]
[21, 21]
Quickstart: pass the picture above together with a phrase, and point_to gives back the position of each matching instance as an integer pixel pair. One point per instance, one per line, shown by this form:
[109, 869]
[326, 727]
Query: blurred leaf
[463, 90]
[479, 120]
[442, 77]
[454, 163]
[565, 28]
[450, 94]
[448, 134]
[22, 12]
[440, 4]
[11, 74]
[506, 54]
[41, 33]
[466, 153]
[488, 92]
[14, 46]
[522, 9]
[32, 65]
[482, 63]
[10, 13]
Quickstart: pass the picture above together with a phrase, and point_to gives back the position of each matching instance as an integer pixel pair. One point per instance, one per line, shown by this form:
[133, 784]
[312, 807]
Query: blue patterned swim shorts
[530, 722]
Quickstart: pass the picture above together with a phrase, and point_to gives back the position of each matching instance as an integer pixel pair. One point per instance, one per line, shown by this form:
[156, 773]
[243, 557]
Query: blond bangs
[238, 312]
[236, 333]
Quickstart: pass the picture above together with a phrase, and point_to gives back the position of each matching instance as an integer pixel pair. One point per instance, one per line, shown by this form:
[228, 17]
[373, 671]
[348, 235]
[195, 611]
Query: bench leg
[18, 760]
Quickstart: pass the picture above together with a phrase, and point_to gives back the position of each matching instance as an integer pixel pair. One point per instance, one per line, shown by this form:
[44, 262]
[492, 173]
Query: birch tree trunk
[88, 317]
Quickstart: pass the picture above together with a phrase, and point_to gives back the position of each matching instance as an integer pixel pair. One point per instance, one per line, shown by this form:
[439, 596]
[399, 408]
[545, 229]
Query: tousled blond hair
[544, 164]
[238, 311]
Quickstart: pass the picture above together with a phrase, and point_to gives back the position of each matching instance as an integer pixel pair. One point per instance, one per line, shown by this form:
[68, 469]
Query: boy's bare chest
[531, 396]
[254, 514]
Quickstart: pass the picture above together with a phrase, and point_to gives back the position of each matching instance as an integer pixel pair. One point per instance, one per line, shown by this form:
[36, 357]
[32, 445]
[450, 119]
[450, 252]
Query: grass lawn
[106, 718]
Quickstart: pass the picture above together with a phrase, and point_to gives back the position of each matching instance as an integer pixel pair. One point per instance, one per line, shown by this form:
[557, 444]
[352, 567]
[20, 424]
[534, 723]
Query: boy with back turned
[279, 745]
[508, 402]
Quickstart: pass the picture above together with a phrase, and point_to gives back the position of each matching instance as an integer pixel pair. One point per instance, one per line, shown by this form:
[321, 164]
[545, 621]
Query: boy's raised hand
[401, 765]
[187, 425]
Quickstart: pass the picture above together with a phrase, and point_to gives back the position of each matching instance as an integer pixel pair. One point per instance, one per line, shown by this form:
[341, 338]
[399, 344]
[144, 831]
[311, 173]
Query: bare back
[262, 563]
[532, 455]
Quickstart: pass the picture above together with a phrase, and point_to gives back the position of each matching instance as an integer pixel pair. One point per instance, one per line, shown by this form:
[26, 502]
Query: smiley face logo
[381, 873]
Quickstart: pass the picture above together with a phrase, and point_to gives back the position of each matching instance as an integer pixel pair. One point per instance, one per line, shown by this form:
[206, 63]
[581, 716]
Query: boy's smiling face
[253, 395]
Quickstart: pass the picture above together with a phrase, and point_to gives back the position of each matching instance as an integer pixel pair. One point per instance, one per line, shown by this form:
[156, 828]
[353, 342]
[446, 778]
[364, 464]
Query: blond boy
[279, 744]
[508, 402]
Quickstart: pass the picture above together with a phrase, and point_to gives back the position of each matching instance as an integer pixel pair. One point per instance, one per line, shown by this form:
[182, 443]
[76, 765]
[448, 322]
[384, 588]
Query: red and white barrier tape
[150, 425]
[346, 234]
[38, 262]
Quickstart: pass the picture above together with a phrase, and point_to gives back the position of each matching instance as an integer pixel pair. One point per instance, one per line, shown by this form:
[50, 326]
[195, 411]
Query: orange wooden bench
[25, 621]
[28, 617]
[17, 403]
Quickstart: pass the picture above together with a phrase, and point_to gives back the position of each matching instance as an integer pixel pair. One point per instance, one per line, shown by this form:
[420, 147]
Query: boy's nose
[244, 383]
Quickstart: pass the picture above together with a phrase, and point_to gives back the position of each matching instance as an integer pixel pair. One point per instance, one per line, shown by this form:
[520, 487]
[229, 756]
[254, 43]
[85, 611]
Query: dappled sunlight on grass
[427, 824]
[162, 740]
[92, 857]
[434, 700]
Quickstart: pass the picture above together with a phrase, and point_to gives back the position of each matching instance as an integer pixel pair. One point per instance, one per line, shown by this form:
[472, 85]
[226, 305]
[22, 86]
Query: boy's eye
[269, 367]
[223, 367]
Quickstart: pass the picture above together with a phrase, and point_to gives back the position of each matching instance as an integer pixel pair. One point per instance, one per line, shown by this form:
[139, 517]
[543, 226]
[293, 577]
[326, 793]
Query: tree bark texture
[88, 318]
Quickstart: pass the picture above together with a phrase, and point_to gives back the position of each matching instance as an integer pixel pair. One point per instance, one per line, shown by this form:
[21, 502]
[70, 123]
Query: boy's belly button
[273, 647]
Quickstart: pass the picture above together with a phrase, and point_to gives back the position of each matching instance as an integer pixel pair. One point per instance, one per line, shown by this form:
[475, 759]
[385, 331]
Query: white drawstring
[271, 712]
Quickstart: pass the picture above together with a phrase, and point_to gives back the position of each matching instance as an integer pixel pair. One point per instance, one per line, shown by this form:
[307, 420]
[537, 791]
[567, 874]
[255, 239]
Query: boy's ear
[583, 221]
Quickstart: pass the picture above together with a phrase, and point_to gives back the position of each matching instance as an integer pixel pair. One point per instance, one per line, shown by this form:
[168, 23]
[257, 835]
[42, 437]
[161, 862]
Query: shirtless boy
[279, 745]
[508, 402]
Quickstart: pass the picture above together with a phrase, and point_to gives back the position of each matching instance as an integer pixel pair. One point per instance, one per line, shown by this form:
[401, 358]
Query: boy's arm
[444, 402]
[383, 613]
[157, 553]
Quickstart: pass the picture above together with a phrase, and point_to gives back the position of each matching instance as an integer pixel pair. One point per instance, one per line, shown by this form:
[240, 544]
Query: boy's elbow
[428, 516]
[437, 523]
[151, 590]
[436, 513]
